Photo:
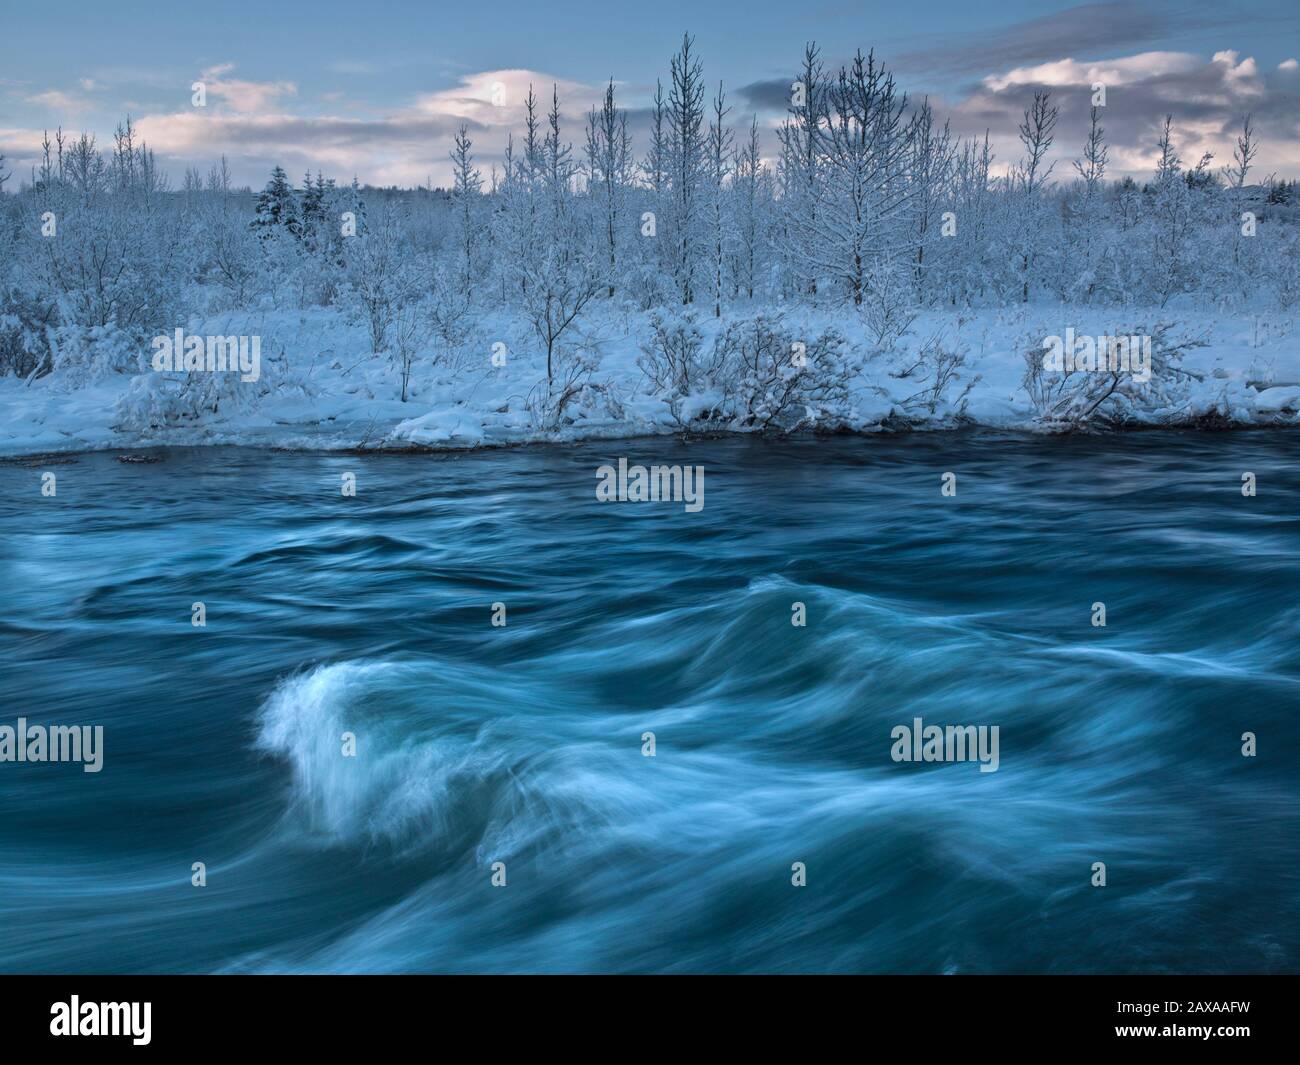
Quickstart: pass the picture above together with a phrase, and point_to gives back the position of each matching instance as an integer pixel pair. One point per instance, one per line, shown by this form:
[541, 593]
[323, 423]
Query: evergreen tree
[277, 206]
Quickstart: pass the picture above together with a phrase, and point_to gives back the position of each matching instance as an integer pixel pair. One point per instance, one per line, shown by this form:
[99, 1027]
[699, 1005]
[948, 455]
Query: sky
[377, 90]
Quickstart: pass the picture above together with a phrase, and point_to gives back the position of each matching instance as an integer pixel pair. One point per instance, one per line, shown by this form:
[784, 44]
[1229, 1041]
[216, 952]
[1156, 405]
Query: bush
[1074, 399]
[25, 326]
[679, 369]
[80, 355]
[777, 380]
[937, 368]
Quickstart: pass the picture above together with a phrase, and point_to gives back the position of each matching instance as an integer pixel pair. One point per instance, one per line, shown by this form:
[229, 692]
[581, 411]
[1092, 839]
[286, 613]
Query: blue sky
[376, 89]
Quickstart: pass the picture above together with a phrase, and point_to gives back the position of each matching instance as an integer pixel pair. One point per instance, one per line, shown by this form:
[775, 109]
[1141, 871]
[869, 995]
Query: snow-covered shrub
[381, 277]
[278, 260]
[154, 401]
[25, 325]
[1072, 398]
[680, 369]
[776, 378]
[558, 285]
[232, 254]
[450, 320]
[167, 401]
[1286, 275]
[939, 371]
[409, 335]
[572, 394]
[280, 378]
[116, 259]
[647, 285]
[887, 302]
[80, 355]
[18, 354]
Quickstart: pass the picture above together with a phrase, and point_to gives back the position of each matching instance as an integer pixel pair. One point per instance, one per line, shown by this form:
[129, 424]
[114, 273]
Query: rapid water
[523, 744]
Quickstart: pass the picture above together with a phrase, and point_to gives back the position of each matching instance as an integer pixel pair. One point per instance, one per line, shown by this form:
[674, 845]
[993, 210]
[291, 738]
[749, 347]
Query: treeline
[870, 202]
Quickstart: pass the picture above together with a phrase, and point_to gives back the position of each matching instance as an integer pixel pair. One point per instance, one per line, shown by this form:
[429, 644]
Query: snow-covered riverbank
[318, 386]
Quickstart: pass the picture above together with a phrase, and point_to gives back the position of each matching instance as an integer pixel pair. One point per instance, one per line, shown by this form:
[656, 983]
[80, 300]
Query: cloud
[1112, 72]
[1084, 30]
[770, 95]
[408, 146]
[496, 98]
[20, 145]
[1207, 98]
[245, 97]
[57, 100]
[260, 124]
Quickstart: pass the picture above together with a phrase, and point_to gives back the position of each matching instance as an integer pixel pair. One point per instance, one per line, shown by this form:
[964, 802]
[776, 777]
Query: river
[517, 751]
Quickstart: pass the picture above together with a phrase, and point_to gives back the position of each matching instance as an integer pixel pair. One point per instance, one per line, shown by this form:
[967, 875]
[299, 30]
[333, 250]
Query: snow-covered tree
[380, 278]
[609, 176]
[1177, 212]
[1037, 132]
[718, 168]
[277, 207]
[862, 201]
[685, 160]
[929, 173]
[752, 200]
[802, 169]
[466, 190]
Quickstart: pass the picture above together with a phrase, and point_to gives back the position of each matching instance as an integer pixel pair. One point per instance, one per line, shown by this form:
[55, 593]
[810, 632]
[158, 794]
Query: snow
[456, 428]
[1278, 399]
[320, 388]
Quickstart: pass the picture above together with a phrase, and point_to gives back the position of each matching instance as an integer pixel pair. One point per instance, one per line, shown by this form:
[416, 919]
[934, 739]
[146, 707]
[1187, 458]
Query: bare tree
[930, 170]
[560, 287]
[1092, 167]
[1243, 154]
[609, 170]
[686, 162]
[1037, 132]
[465, 192]
[801, 136]
[752, 191]
[719, 167]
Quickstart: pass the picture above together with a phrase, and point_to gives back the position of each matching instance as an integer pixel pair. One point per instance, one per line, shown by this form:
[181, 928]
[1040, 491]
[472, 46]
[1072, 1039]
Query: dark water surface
[523, 744]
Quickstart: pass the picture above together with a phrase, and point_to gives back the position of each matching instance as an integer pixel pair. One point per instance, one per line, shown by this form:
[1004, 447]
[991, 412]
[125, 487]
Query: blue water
[523, 744]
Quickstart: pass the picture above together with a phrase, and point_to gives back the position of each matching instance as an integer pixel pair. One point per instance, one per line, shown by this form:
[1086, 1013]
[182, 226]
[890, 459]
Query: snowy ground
[321, 389]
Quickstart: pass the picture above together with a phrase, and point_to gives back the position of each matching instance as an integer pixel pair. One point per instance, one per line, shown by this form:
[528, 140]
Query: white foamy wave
[404, 763]
[462, 760]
